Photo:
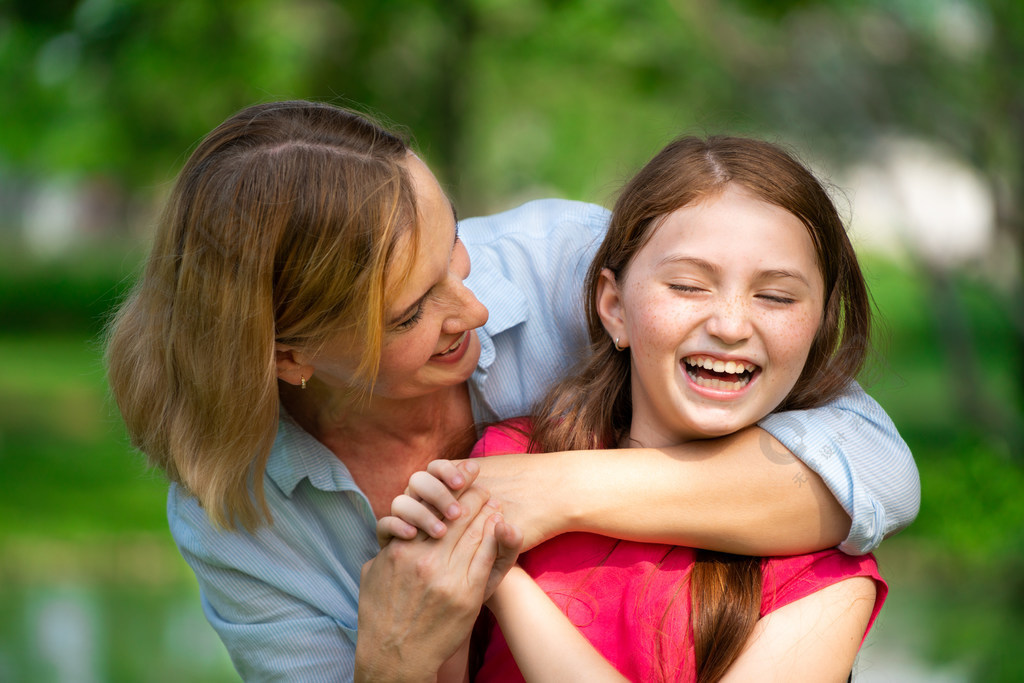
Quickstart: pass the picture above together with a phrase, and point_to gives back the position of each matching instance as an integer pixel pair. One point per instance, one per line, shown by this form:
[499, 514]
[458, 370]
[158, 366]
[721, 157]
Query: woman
[725, 289]
[307, 334]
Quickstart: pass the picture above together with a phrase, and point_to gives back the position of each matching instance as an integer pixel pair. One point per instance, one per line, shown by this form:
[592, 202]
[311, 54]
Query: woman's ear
[610, 308]
[292, 365]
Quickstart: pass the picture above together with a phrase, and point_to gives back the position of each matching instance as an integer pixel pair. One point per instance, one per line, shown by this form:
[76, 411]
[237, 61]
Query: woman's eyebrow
[416, 304]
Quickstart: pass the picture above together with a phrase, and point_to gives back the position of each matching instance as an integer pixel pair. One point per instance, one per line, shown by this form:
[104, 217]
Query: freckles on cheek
[798, 333]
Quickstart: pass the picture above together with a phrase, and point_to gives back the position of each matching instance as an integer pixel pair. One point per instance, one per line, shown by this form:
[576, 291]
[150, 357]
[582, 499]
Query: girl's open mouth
[712, 373]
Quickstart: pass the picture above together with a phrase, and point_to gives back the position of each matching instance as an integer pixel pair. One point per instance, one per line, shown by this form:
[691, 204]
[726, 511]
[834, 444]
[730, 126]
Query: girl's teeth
[722, 384]
[731, 367]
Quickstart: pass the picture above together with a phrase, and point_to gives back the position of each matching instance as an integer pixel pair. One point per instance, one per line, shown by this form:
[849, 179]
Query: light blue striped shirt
[284, 599]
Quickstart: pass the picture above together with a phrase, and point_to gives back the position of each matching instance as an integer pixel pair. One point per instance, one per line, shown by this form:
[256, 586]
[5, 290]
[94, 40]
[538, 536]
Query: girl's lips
[455, 352]
[716, 378]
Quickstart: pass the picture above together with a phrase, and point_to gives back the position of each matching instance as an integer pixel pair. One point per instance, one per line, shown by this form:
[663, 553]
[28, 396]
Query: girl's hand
[428, 493]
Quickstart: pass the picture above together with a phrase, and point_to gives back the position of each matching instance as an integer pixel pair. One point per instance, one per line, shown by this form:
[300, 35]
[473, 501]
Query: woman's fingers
[430, 499]
[424, 594]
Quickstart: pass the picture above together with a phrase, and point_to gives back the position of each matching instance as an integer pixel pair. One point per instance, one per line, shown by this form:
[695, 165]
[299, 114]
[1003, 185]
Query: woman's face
[719, 310]
[429, 338]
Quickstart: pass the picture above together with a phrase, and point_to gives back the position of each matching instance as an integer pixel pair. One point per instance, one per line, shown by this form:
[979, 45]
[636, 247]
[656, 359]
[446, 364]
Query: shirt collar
[506, 304]
[296, 455]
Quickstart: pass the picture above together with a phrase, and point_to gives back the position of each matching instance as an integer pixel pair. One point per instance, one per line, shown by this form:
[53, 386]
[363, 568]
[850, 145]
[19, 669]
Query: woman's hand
[419, 598]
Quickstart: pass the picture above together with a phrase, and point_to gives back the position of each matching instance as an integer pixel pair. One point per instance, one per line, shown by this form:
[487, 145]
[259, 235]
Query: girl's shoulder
[787, 579]
[509, 436]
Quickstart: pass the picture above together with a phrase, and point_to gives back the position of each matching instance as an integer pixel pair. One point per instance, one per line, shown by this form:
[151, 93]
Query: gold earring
[303, 381]
[617, 347]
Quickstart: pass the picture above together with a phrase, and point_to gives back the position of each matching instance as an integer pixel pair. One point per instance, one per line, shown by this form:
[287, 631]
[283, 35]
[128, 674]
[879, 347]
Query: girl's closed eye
[777, 298]
[678, 287]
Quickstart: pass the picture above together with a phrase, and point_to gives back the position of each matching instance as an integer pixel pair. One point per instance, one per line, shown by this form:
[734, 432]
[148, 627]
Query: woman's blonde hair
[280, 229]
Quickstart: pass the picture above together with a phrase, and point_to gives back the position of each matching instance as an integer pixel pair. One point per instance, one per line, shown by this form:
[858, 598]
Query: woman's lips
[455, 352]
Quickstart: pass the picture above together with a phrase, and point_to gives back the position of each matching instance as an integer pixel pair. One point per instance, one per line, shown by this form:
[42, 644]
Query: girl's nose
[730, 322]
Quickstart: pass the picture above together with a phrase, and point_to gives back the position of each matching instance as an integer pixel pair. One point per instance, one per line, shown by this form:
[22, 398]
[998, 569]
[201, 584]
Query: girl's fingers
[428, 488]
[390, 528]
[480, 547]
[457, 475]
[508, 542]
[416, 514]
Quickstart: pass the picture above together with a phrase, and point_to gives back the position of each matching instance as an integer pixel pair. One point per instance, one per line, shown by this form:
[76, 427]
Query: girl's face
[429, 339]
[719, 310]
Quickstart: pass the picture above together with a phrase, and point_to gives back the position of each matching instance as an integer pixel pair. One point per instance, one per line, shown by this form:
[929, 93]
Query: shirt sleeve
[854, 447]
[268, 605]
[788, 579]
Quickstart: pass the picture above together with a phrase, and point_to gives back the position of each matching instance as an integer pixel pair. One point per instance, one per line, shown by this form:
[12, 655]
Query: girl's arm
[546, 646]
[815, 638]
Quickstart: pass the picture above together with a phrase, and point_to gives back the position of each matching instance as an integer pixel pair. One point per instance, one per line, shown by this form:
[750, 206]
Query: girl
[726, 289]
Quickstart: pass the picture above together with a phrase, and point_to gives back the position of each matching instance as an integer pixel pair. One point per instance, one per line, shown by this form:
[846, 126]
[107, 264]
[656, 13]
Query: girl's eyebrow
[700, 263]
[780, 273]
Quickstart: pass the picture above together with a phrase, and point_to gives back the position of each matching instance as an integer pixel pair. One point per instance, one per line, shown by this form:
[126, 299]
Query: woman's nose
[467, 312]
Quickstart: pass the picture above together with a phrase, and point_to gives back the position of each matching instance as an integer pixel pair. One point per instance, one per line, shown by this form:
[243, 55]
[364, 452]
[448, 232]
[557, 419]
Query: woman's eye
[411, 320]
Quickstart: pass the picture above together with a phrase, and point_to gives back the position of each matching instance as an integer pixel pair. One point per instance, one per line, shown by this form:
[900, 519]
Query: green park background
[912, 109]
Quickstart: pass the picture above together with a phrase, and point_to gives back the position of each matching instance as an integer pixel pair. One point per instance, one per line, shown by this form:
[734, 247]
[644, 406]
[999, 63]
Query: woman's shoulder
[535, 219]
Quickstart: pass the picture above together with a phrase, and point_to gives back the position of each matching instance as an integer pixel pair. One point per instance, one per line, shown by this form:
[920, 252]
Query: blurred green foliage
[508, 100]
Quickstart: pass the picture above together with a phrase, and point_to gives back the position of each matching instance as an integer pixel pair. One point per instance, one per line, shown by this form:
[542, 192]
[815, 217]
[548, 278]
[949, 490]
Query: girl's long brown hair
[279, 229]
[592, 408]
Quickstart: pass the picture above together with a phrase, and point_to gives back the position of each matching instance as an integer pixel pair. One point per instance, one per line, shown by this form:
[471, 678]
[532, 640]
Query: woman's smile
[455, 352]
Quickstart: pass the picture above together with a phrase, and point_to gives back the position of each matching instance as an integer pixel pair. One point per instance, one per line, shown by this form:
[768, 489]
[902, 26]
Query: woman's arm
[546, 646]
[815, 638]
[743, 493]
[708, 494]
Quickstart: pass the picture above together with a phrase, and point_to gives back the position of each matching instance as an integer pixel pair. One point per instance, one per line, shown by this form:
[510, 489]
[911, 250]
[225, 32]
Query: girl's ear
[292, 365]
[610, 308]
